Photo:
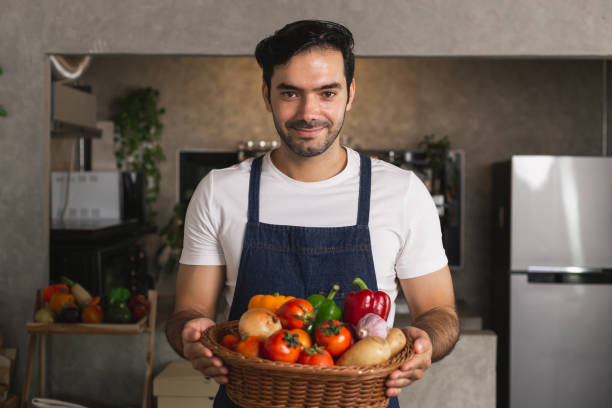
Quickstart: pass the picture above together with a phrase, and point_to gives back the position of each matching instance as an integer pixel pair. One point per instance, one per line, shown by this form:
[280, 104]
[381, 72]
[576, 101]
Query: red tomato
[229, 341]
[303, 338]
[334, 336]
[316, 356]
[282, 346]
[249, 346]
[296, 314]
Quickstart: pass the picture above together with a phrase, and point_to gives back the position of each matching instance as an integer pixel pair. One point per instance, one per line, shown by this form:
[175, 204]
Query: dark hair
[300, 36]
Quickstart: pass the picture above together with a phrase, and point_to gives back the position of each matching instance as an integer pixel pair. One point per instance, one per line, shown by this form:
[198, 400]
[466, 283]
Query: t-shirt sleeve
[423, 251]
[201, 244]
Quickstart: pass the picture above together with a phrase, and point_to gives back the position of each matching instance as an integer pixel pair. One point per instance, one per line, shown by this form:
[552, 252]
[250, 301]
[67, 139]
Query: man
[311, 214]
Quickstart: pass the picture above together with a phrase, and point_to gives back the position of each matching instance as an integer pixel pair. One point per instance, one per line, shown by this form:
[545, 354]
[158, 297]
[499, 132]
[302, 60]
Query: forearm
[175, 325]
[442, 326]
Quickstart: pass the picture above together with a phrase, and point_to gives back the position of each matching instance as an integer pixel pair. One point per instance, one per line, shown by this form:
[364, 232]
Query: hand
[202, 359]
[413, 369]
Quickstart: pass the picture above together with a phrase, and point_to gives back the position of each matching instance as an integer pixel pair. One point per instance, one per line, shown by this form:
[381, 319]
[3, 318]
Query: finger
[395, 374]
[418, 361]
[221, 379]
[394, 387]
[205, 362]
[401, 380]
[421, 345]
[215, 371]
[194, 350]
[191, 333]
[209, 368]
[393, 392]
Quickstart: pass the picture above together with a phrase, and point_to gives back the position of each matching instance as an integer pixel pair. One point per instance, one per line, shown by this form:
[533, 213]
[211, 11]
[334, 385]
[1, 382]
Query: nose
[309, 107]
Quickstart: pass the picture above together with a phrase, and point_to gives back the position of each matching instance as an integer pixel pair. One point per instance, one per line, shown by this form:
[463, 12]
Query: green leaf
[2, 111]
[137, 134]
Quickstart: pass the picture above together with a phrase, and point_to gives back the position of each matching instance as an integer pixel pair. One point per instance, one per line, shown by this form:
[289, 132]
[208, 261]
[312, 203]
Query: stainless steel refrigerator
[552, 265]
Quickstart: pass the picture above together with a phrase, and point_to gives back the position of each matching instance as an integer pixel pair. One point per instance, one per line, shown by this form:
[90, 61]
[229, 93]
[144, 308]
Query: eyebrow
[333, 85]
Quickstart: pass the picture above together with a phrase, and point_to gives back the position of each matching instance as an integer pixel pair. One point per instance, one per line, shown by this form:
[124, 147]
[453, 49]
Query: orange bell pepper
[93, 313]
[270, 302]
[58, 300]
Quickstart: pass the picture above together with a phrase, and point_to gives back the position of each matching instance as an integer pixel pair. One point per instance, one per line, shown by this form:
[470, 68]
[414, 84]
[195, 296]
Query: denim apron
[301, 261]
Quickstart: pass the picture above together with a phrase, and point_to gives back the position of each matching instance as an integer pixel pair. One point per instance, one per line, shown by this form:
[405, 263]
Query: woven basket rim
[211, 337]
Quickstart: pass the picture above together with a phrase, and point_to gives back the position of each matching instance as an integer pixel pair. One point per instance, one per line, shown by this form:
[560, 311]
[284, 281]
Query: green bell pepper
[118, 295]
[118, 312]
[325, 307]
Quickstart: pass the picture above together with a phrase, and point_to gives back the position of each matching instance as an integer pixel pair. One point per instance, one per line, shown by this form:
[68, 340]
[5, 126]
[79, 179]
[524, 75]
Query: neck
[310, 169]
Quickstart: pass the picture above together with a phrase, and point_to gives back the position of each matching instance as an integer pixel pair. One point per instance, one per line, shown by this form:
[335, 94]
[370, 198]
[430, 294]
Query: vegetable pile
[315, 331]
[70, 302]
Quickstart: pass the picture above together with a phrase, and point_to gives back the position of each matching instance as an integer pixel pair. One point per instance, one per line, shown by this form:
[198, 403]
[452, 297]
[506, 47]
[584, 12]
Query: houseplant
[138, 130]
[437, 154]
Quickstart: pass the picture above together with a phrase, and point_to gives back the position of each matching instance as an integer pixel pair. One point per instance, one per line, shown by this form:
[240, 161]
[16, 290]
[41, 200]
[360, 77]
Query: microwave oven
[94, 195]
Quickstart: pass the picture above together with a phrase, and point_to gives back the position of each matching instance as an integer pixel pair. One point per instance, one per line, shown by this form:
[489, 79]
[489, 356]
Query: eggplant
[70, 314]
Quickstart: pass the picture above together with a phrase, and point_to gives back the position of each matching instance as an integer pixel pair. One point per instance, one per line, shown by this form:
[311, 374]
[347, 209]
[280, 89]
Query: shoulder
[387, 175]
[235, 172]
[391, 183]
[220, 182]
[225, 176]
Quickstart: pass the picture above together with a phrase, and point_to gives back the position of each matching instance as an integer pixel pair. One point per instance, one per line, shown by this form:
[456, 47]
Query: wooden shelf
[39, 331]
[88, 328]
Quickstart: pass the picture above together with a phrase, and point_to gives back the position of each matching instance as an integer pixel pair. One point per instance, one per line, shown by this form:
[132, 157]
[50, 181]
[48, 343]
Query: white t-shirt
[404, 223]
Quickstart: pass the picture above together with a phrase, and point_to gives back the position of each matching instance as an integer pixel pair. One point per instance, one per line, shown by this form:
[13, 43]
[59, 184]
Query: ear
[264, 94]
[351, 95]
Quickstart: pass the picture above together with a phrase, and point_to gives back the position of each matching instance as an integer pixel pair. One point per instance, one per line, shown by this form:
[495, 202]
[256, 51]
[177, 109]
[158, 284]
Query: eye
[289, 94]
[329, 94]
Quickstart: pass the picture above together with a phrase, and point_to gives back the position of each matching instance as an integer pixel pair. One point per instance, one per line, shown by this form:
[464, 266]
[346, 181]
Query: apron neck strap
[365, 183]
[365, 177]
[254, 189]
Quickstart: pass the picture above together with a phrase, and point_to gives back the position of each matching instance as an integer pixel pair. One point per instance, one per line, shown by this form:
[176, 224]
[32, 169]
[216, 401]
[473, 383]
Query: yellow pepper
[270, 302]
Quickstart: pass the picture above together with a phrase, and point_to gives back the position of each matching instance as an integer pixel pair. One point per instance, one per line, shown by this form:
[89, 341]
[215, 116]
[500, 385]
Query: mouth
[308, 133]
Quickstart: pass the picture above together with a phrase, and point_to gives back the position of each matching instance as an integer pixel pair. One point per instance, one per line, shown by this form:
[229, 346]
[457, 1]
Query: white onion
[259, 322]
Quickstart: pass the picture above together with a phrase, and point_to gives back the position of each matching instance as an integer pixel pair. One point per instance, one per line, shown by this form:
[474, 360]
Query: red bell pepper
[48, 292]
[358, 304]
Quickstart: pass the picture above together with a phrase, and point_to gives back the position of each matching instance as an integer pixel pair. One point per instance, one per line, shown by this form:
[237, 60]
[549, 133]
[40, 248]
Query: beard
[308, 150]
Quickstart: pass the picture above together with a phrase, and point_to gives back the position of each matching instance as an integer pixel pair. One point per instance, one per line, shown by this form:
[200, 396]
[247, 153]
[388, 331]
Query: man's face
[308, 100]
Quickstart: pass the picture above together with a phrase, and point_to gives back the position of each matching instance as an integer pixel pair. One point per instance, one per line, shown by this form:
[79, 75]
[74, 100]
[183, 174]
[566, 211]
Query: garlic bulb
[372, 325]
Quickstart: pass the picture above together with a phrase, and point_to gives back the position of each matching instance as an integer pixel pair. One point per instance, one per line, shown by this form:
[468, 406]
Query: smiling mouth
[310, 132]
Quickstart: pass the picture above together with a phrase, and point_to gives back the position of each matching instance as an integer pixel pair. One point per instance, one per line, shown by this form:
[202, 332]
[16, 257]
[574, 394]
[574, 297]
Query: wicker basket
[260, 383]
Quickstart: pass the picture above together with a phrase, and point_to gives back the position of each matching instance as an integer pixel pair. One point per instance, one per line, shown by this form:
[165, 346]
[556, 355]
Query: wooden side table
[39, 331]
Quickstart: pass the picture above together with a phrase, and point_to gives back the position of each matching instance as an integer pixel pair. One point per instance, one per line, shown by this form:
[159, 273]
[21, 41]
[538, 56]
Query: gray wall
[31, 30]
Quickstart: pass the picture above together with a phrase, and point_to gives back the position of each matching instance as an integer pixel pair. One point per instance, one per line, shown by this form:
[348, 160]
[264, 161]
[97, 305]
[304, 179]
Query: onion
[259, 322]
[372, 325]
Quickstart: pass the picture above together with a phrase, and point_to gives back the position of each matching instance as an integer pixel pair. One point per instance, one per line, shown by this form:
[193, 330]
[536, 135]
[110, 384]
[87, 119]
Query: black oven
[100, 255]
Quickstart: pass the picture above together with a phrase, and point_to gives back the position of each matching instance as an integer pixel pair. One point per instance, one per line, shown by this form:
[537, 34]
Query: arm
[197, 292]
[432, 306]
[435, 326]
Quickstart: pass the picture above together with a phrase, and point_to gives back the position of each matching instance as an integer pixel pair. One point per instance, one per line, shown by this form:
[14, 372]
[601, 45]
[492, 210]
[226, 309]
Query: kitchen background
[546, 98]
[489, 108]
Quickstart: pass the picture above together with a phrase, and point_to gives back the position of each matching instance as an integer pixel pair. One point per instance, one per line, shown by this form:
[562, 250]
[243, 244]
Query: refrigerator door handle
[565, 269]
[569, 275]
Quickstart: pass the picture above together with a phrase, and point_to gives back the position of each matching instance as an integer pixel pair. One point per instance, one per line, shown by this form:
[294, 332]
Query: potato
[368, 351]
[259, 322]
[396, 340]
